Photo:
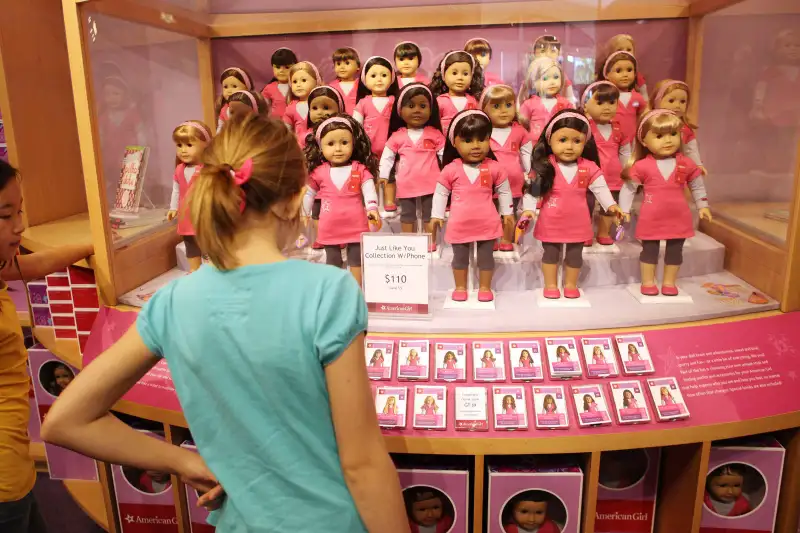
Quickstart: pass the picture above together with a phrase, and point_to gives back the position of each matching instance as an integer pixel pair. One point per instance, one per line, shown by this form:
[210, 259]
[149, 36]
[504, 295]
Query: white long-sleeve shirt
[339, 176]
[440, 196]
[599, 188]
[666, 167]
[692, 151]
[174, 200]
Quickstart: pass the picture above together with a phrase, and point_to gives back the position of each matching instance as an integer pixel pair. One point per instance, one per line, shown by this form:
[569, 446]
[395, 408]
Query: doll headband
[448, 54]
[475, 39]
[364, 70]
[250, 97]
[461, 116]
[409, 87]
[663, 91]
[612, 56]
[339, 99]
[648, 116]
[316, 72]
[570, 114]
[244, 75]
[329, 121]
[405, 42]
[486, 91]
[198, 126]
[587, 93]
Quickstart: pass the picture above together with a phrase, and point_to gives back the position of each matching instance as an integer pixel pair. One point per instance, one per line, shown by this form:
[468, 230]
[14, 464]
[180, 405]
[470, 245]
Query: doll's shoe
[588, 243]
[485, 296]
[571, 293]
[460, 296]
[390, 208]
[552, 294]
[506, 247]
[605, 241]
[649, 290]
[432, 247]
[496, 246]
[317, 246]
[669, 290]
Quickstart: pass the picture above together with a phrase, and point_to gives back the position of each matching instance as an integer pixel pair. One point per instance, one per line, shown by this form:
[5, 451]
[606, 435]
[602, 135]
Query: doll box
[424, 486]
[561, 488]
[197, 515]
[760, 463]
[626, 494]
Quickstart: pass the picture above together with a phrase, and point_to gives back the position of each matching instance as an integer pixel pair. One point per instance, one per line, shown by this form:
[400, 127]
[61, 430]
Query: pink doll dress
[627, 115]
[413, 361]
[508, 157]
[667, 400]
[740, 506]
[378, 362]
[450, 365]
[488, 363]
[687, 134]
[448, 110]
[342, 218]
[297, 122]
[564, 217]
[509, 411]
[428, 410]
[473, 216]
[633, 404]
[525, 363]
[418, 167]
[376, 123]
[537, 114]
[593, 408]
[349, 98]
[391, 410]
[665, 213]
[563, 358]
[608, 150]
[490, 78]
[598, 359]
[184, 221]
[634, 356]
[276, 98]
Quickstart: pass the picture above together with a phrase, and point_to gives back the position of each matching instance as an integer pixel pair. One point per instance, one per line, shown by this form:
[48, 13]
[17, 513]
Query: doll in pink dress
[346, 64]
[620, 69]
[390, 408]
[277, 90]
[429, 406]
[567, 168]
[511, 145]
[304, 76]
[527, 513]
[673, 95]
[542, 95]
[410, 162]
[589, 405]
[191, 139]
[633, 353]
[665, 173]
[488, 359]
[509, 405]
[562, 354]
[525, 359]
[598, 357]
[666, 397]
[231, 80]
[481, 50]
[456, 84]
[377, 359]
[628, 400]
[427, 511]
[472, 175]
[340, 170]
[621, 43]
[407, 60]
[600, 101]
[724, 494]
[413, 358]
[450, 361]
[549, 405]
[550, 46]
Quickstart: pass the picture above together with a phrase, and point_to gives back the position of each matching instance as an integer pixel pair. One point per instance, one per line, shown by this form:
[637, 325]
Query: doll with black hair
[567, 167]
[232, 79]
[473, 176]
[724, 494]
[414, 149]
[276, 91]
[426, 510]
[407, 60]
[527, 513]
[341, 167]
[346, 64]
[481, 50]
[456, 85]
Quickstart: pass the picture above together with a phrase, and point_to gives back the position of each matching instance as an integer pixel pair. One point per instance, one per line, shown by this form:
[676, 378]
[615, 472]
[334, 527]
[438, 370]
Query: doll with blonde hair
[542, 95]
[674, 96]
[390, 408]
[303, 77]
[550, 46]
[429, 406]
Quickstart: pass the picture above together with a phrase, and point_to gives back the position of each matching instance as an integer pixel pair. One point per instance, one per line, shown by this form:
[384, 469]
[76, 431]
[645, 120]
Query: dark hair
[535, 496]
[232, 73]
[412, 90]
[600, 65]
[438, 86]
[7, 173]
[540, 160]
[475, 125]
[477, 46]
[362, 87]
[362, 149]
[407, 51]
[545, 41]
[261, 102]
[729, 469]
[282, 57]
[604, 94]
[422, 493]
[345, 53]
[323, 90]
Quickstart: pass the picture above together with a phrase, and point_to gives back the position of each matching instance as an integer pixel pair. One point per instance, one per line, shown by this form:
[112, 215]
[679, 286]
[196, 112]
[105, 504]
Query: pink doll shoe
[572, 293]
[669, 290]
[460, 296]
[649, 290]
[552, 294]
[485, 296]
[605, 241]
[317, 246]
[432, 247]
[506, 247]
[589, 243]
[496, 246]
[390, 208]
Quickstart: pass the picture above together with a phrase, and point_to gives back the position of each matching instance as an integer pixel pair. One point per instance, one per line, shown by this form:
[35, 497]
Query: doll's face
[628, 395]
[664, 391]
[427, 513]
[550, 83]
[429, 400]
[550, 50]
[281, 73]
[601, 113]
[302, 84]
[567, 145]
[390, 400]
[632, 349]
[508, 401]
[321, 108]
[346, 69]
[726, 488]
[337, 147]
[458, 77]
[624, 45]
[501, 112]
[378, 79]
[412, 353]
[588, 399]
[416, 112]
[525, 355]
[63, 377]
[230, 85]
[190, 152]
[483, 58]
[663, 144]
[449, 356]
[788, 47]
[113, 96]
[238, 109]
[487, 354]
[676, 100]
[472, 149]
[407, 67]
[530, 515]
[622, 74]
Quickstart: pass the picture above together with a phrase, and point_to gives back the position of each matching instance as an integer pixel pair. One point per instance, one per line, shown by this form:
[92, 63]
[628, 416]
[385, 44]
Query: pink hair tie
[364, 69]
[448, 54]
[329, 121]
[461, 116]
[250, 97]
[316, 71]
[663, 91]
[587, 93]
[476, 39]
[612, 56]
[486, 91]
[570, 114]
[414, 85]
[196, 125]
[241, 176]
[339, 98]
[648, 116]
[244, 75]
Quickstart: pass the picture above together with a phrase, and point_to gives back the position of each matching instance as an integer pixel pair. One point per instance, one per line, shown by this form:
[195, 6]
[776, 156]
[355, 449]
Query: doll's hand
[383, 182]
[374, 220]
[705, 214]
[193, 471]
[703, 170]
[530, 215]
[437, 223]
[626, 217]
[171, 214]
[616, 211]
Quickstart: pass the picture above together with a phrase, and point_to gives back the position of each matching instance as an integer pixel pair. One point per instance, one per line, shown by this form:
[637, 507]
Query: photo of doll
[525, 359]
[346, 64]
[725, 495]
[377, 359]
[562, 354]
[147, 481]
[674, 96]
[391, 406]
[429, 510]
[481, 50]
[549, 405]
[429, 407]
[456, 84]
[598, 357]
[231, 80]
[450, 361]
[628, 400]
[532, 512]
[509, 405]
[488, 359]
[303, 77]
[277, 90]
[666, 397]
[407, 60]
[633, 353]
[589, 405]
[54, 377]
[542, 95]
[413, 358]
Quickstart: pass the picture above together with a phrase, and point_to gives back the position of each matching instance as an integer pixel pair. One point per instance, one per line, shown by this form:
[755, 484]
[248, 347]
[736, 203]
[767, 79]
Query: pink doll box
[761, 462]
[421, 487]
[510, 407]
[413, 359]
[561, 488]
[197, 515]
[626, 495]
[599, 357]
[379, 357]
[34, 424]
[523, 367]
[145, 501]
[488, 361]
[451, 361]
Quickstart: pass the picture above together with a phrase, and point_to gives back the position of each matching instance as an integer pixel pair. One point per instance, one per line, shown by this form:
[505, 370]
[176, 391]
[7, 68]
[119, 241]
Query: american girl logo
[636, 517]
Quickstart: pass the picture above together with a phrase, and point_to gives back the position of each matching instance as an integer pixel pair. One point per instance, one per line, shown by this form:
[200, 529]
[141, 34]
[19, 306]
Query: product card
[634, 354]
[451, 361]
[629, 402]
[379, 358]
[562, 357]
[550, 405]
[390, 404]
[509, 408]
[668, 399]
[526, 360]
[488, 361]
[472, 409]
[591, 405]
[413, 359]
[430, 407]
[598, 354]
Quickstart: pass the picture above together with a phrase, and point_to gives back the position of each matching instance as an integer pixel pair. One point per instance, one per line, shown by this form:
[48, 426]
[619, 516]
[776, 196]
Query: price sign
[396, 270]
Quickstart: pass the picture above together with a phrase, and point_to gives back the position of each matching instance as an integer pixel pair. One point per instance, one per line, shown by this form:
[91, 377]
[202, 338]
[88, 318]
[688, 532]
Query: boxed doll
[436, 494]
[742, 486]
[626, 495]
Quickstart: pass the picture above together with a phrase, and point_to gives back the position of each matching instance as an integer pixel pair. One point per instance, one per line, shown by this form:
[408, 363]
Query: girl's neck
[456, 94]
[256, 242]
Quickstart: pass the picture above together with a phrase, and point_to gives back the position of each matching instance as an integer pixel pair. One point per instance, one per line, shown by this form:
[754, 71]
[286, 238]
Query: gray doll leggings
[333, 255]
[673, 255]
[573, 258]
[485, 255]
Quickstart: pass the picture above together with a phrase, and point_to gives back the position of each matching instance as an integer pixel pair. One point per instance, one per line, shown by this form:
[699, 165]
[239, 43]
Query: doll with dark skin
[426, 511]
[528, 514]
[724, 493]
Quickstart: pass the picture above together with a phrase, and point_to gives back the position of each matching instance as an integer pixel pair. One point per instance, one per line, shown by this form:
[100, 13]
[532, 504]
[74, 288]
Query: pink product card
[472, 409]
[550, 406]
[555, 493]
[50, 377]
[488, 361]
[591, 405]
[390, 404]
[742, 488]
[379, 355]
[634, 354]
[626, 494]
[667, 399]
[413, 359]
[436, 500]
[430, 407]
[510, 408]
[525, 357]
[598, 355]
[562, 357]
[451, 361]
[197, 515]
[144, 499]
[629, 402]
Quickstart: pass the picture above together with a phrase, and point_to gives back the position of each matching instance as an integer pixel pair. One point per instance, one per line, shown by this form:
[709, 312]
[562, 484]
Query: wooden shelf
[89, 497]
[749, 216]
[67, 350]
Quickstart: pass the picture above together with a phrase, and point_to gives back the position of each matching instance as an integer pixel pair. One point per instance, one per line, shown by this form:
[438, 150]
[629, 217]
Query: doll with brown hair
[621, 69]
[673, 95]
[550, 46]
[426, 510]
[303, 77]
[346, 65]
[191, 139]
[542, 95]
[621, 43]
[241, 103]
[276, 91]
[658, 165]
[724, 495]
[231, 80]
[341, 169]
[527, 513]
[456, 85]
[407, 60]
[481, 50]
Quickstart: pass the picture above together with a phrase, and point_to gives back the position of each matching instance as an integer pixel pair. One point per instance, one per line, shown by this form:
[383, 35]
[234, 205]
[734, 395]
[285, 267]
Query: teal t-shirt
[247, 350]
